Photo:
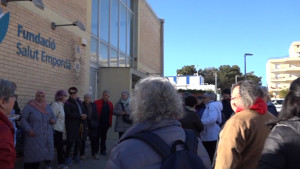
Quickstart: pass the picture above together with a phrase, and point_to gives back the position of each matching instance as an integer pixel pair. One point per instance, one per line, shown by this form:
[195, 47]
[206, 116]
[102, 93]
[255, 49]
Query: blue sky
[211, 33]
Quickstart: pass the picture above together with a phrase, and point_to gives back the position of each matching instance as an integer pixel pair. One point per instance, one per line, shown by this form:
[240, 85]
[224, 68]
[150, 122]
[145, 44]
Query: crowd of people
[64, 123]
[241, 131]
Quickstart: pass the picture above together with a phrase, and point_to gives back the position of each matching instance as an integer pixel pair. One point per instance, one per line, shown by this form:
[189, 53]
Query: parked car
[277, 103]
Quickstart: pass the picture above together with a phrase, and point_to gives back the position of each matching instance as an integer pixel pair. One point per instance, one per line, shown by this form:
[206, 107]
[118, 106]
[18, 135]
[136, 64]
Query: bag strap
[191, 140]
[154, 141]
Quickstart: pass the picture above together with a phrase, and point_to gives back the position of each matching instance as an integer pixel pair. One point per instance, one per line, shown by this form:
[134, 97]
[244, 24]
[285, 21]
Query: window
[94, 26]
[113, 60]
[122, 62]
[103, 58]
[104, 19]
[93, 51]
[114, 23]
[112, 30]
[123, 26]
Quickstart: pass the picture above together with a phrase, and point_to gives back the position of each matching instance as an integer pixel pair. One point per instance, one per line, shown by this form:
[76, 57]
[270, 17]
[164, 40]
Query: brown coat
[242, 139]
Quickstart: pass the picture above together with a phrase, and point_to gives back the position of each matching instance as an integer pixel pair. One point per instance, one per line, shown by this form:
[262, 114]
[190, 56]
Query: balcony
[286, 69]
[277, 79]
[283, 79]
[285, 60]
[290, 79]
[277, 89]
[277, 70]
[292, 69]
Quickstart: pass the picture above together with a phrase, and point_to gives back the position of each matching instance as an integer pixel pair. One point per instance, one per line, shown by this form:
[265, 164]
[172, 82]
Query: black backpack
[186, 158]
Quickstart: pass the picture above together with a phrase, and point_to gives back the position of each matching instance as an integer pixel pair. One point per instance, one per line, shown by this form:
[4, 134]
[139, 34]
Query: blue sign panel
[4, 22]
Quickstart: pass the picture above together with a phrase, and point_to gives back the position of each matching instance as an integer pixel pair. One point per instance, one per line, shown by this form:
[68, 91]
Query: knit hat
[60, 94]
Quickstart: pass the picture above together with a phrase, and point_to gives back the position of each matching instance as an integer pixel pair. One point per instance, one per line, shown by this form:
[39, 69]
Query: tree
[227, 75]
[208, 74]
[283, 93]
[187, 70]
[254, 78]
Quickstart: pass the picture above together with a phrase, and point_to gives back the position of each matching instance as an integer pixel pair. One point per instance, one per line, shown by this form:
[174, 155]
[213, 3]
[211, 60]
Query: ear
[2, 104]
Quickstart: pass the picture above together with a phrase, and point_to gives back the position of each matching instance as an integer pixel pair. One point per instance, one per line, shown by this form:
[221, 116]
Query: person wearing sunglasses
[75, 117]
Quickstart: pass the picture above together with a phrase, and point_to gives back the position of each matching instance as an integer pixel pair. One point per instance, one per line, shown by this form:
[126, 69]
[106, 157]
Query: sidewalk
[89, 163]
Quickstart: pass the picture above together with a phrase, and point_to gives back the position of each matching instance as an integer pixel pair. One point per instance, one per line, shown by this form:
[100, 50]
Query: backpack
[186, 158]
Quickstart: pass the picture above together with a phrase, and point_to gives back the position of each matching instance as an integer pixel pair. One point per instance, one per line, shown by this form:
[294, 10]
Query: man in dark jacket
[227, 110]
[7, 149]
[92, 124]
[191, 119]
[105, 112]
[75, 115]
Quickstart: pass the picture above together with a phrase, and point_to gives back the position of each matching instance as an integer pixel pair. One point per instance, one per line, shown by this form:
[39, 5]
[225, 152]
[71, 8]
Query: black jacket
[282, 147]
[92, 120]
[227, 110]
[73, 119]
[192, 121]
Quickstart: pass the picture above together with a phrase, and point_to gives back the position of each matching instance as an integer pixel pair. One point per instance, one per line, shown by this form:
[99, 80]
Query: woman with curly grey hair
[156, 108]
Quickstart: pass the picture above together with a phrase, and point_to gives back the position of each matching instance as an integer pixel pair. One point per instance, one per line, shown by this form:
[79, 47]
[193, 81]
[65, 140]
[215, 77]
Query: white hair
[248, 91]
[155, 99]
[7, 89]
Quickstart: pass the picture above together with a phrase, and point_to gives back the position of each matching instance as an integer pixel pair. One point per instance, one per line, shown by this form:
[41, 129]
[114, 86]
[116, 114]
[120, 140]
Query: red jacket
[99, 105]
[7, 148]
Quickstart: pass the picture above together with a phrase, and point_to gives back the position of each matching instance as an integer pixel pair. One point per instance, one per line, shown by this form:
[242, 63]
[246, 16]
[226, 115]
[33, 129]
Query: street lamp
[246, 54]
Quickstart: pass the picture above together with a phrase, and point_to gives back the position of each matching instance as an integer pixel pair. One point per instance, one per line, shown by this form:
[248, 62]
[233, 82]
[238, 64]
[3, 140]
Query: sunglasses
[73, 92]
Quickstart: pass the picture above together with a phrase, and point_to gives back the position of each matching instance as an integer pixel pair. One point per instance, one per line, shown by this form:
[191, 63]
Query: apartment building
[282, 71]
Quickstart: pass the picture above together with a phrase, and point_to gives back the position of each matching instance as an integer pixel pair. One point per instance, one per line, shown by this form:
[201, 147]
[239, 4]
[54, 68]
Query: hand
[52, 121]
[122, 113]
[83, 116]
[31, 133]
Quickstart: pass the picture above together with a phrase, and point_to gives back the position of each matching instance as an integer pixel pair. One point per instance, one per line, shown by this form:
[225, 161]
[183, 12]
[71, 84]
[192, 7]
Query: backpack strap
[154, 141]
[191, 140]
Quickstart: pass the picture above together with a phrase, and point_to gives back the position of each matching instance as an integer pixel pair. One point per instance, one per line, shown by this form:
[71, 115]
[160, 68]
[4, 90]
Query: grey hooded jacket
[135, 154]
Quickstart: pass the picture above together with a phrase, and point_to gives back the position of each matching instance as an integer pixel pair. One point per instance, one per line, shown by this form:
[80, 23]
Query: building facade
[113, 44]
[126, 45]
[282, 71]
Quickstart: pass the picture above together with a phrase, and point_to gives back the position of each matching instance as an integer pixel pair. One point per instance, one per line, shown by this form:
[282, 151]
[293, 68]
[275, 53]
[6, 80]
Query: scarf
[125, 101]
[259, 106]
[39, 105]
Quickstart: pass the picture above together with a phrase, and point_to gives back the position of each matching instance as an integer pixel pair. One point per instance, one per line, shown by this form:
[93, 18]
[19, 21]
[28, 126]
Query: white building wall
[190, 82]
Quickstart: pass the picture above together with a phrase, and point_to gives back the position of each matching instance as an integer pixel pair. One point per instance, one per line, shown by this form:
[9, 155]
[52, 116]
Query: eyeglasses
[233, 98]
[73, 92]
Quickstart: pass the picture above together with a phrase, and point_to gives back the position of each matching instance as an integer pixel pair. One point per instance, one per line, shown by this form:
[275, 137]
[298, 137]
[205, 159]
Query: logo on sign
[4, 22]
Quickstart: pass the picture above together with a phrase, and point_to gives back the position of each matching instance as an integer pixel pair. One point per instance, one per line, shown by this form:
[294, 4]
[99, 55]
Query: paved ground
[89, 163]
